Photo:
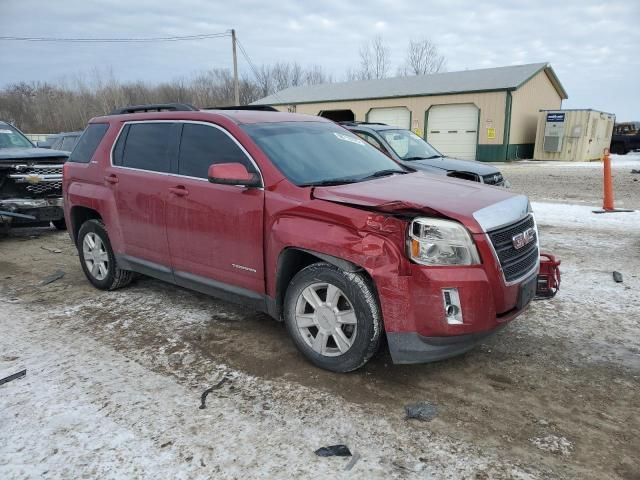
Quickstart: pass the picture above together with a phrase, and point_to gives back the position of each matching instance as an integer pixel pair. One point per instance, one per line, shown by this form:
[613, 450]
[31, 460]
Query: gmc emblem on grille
[524, 238]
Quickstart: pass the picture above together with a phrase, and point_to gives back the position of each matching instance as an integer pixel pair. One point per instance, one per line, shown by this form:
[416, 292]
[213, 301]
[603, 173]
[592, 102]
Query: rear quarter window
[88, 143]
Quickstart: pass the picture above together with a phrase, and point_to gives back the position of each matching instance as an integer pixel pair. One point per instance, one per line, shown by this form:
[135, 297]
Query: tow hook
[549, 277]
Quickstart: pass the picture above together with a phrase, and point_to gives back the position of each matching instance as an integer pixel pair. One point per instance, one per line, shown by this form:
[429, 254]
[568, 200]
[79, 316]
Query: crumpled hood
[432, 195]
[455, 164]
[31, 153]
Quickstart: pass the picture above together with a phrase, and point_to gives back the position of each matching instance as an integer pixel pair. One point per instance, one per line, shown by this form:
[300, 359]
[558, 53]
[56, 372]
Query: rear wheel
[97, 259]
[333, 317]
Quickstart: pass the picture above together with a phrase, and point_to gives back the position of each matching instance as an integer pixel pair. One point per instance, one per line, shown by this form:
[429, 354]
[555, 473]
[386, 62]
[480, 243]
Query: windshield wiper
[423, 158]
[328, 183]
[382, 173]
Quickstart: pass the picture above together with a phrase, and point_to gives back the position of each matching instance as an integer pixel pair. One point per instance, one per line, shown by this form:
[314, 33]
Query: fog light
[452, 308]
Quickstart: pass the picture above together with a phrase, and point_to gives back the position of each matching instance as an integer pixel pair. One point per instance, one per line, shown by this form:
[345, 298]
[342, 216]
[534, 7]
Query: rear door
[215, 231]
[142, 159]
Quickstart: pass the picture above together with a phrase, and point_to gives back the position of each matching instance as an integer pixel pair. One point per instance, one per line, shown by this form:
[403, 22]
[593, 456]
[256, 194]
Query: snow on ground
[86, 411]
[581, 216]
[630, 160]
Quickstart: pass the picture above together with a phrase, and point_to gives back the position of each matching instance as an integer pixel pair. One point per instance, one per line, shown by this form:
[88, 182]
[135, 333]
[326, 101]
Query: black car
[409, 149]
[30, 181]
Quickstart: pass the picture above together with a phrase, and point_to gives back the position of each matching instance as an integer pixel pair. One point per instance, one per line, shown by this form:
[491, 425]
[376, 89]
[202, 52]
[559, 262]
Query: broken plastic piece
[617, 277]
[352, 462]
[15, 376]
[334, 451]
[203, 398]
[423, 411]
[57, 275]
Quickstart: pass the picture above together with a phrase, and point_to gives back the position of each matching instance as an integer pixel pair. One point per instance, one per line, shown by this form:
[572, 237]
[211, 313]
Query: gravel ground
[576, 182]
[114, 379]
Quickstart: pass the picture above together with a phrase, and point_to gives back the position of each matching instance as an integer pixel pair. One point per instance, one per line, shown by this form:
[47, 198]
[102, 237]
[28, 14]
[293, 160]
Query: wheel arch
[293, 259]
[79, 215]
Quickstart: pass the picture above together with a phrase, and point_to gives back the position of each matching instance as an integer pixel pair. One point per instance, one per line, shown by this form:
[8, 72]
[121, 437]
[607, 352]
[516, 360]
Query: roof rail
[353, 122]
[261, 108]
[155, 107]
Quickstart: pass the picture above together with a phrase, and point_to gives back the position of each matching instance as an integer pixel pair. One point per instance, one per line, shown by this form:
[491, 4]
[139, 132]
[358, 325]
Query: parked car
[625, 138]
[30, 181]
[412, 151]
[65, 141]
[297, 217]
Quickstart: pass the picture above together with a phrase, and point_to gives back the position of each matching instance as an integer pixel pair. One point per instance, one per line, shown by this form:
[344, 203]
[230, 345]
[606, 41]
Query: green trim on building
[500, 153]
[519, 151]
[506, 134]
[491, 153]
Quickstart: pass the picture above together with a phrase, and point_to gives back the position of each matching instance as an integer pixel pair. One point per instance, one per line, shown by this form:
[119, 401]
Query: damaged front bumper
[449, 339]
[19, 211]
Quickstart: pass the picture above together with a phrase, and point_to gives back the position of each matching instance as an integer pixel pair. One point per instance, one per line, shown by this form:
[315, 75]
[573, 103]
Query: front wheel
[97, 259]
[333, 317]
[60, 224]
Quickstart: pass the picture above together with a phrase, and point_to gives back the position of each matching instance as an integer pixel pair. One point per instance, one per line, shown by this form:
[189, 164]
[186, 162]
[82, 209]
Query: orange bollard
[607, 204]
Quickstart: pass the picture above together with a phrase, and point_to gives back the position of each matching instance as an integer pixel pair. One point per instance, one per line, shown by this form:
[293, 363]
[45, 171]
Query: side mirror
[43, 144]
[233, 174]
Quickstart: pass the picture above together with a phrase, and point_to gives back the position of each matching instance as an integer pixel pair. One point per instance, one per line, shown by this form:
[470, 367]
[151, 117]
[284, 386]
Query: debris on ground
[334, 451]
[52, 250]
[203, 398]
[57, 275]
[423, 411]
[553, 444]
[352, 462]
[15, 376]
[635, 171]
[617, 277]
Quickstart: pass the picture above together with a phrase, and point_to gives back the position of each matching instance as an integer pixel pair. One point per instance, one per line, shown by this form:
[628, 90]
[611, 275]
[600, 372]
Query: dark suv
[30, 181]
[409, 149]
[295, 216]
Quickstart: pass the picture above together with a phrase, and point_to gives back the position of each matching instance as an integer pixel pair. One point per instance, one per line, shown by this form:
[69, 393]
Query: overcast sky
[594, 47]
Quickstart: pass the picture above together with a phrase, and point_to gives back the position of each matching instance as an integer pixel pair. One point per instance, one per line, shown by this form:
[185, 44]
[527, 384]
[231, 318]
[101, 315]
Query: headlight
[441, 242]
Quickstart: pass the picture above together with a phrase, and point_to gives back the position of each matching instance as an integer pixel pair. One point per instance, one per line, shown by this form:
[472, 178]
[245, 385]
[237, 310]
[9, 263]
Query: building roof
[482, 80]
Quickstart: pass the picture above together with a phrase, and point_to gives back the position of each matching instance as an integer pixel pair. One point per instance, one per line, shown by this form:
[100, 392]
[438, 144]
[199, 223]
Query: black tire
[359, 292]
[618, 148]
[115, 277]
[60, 224]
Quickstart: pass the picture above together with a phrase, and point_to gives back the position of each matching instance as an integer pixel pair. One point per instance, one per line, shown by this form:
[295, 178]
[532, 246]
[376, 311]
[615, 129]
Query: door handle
[112, 179]
[179, 191]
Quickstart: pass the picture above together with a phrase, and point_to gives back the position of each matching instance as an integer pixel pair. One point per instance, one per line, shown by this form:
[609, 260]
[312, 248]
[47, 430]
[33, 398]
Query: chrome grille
[39, 179]
[515, 263]
[45, 188]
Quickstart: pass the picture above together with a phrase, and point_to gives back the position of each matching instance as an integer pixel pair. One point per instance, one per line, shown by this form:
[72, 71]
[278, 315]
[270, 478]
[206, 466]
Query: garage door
[396, 116]
[453, 129]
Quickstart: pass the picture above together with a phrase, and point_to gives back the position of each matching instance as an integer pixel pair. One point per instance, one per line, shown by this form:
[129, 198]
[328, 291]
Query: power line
[181, 38]
[252, 66]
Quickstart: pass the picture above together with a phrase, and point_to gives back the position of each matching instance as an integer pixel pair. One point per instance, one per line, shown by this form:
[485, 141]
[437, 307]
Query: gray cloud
[593, 46]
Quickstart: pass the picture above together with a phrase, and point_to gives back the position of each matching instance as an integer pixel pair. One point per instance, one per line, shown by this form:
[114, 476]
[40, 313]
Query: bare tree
[422, 58]
[374, 61]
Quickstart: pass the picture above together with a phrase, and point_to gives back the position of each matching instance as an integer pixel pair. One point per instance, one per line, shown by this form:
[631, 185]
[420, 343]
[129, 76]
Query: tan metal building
[573, 135]
[489, 114]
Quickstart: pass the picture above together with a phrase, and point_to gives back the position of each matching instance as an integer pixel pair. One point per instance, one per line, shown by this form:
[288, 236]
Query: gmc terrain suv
[299, 218]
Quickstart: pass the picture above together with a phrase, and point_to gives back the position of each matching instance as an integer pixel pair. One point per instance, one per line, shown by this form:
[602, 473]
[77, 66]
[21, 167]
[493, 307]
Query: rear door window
[88, 143]
[148, 146]
[203, 145]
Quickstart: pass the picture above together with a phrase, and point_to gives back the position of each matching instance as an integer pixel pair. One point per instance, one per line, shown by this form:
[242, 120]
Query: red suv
[300, 218]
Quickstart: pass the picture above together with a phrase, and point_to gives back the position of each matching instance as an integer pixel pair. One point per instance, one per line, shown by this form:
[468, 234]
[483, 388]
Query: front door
[142, 160]
[215, 232]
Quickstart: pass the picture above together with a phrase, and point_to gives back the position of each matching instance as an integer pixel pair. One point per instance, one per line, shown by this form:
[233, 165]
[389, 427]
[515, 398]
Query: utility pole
[236, 86]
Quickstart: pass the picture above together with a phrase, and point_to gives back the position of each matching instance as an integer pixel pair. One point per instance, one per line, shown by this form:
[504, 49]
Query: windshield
[314, 153]
[408, 145]
[12, 138]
